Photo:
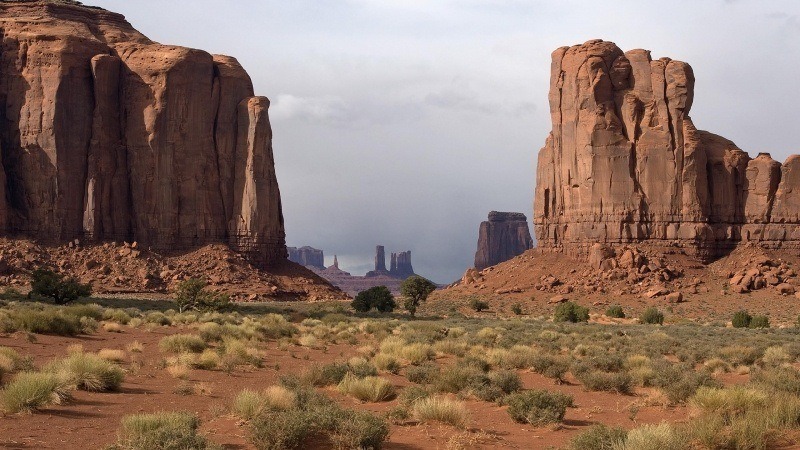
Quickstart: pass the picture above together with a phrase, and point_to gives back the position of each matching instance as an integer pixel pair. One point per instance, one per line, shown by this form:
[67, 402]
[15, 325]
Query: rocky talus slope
[108, 135]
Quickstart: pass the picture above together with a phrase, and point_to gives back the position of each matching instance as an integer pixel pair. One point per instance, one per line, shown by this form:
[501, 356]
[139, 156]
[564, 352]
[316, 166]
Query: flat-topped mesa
[625, 164]
[504, 236]
[309, 257]
[107, 135]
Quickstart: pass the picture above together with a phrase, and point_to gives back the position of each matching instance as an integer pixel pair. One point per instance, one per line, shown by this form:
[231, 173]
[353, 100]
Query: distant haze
[404, 122]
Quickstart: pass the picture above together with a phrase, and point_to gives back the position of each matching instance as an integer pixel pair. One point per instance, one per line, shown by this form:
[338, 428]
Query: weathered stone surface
[399, 267]
[502, 237]
[107, 135]
[625, 164]
[309, 257]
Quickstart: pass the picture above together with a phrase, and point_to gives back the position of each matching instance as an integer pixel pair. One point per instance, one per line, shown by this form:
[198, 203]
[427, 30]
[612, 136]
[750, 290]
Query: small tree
[478, 305]
[47, 283]
[741, 319]
[191, 295]
[416, 290]
[571, 312]
[378, 297]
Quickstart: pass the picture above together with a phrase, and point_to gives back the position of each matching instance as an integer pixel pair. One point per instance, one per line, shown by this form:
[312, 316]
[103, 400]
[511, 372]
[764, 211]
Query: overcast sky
[404, 122]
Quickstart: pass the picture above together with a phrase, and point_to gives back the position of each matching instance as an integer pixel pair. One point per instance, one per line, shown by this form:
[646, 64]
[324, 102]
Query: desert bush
[729, 402]
[113, 355]
[180, 343]
[47, 283]
[571, 312]
[652, 316]
[387, 363]
[378, 298]
[759, 322]
[551, 366]
[359, 430]
[459, 378]
[111, 327]
[191, 295]
[616, 312]
[739, 355]
[416, 353]
[422, 374]
[598, 380]
[516, 308]
[507, 380]
[116, 315]
[88, 372]
[599, 437]
[440, 409]
[324, 375]
[361, 367]
[779, 379]
[11, 362]
[47, 320]
[741, 319]
[248, 404]
[367, 389]
[478, 305]
[160, 431]
[775, 356]
[538, 407]
[654, 437]
[679, 381]
[30, 391]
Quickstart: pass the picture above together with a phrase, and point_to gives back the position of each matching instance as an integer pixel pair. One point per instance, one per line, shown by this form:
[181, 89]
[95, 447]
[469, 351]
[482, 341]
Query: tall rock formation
[309, 257]
[504, 236]
[107, 135]
[380, 259]
[401, 265]
[624, 163]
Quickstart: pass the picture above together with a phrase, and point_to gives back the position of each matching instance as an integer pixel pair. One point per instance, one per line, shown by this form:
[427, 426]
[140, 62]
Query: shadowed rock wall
[107, 135]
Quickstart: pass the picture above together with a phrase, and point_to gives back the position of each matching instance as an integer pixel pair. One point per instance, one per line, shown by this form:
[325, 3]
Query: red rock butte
[624, 163]
[107, 135]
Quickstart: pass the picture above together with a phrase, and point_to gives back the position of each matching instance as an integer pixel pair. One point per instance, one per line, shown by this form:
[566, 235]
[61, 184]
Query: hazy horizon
[404, 122]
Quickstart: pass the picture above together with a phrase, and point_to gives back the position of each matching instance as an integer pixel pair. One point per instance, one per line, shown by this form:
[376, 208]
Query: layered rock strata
[624, 163]
[107, 135]
[502, 237]
[308, 256]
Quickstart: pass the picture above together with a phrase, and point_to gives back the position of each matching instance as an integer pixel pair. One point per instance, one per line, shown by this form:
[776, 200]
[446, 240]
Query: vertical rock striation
[309, 257]
[624, 163]
[107, 135]
[504, 236]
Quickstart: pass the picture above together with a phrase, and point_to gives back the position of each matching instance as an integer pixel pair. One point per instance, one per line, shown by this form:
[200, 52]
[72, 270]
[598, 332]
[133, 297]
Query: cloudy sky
[404, 122]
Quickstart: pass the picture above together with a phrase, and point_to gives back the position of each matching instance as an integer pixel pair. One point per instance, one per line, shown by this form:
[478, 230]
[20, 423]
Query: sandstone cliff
[502, 237]
[624, 163]
[107, 135]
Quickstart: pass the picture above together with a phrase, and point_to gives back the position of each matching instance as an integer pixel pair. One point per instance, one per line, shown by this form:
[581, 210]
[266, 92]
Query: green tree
[191, 295]
[478, 305]
[47, 283]
[378, 297]
[416, 290]
[741, 319]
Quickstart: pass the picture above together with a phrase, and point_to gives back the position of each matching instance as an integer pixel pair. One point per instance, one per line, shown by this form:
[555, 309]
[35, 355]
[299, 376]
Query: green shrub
[571, 312]
[599, 437]
[741, 319]
[538, 407]
[459, 378]
[48, 320]
[679, 381]
[616, 312]
[554, 367]
[279, 430]
[30, 391]
[88, 372]
[191, 295]
[359, 430]
[181, 343]
[507, 380]
[759, 322]
[478, 305]
[161, 431]
[378, 298]
[326, 375]
[415, 290]
[47, 283]
[654, 437]
[652, 316]
[516, 308]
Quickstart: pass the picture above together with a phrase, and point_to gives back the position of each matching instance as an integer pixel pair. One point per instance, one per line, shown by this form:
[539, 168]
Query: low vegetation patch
[538, 407]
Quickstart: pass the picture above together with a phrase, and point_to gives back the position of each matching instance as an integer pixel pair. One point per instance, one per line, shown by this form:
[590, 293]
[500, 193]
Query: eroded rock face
[502, 237]
[625, 164]
[107, 135]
